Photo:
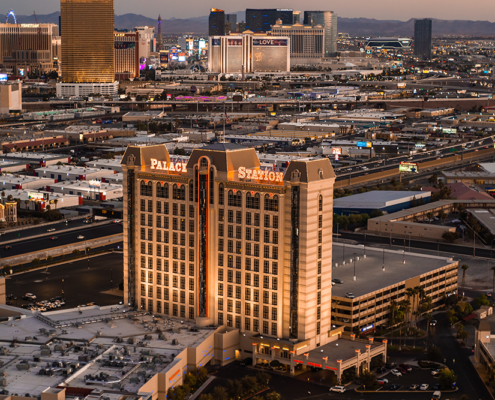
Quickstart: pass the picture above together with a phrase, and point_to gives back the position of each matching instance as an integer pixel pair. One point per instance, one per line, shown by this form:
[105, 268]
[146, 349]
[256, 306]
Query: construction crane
[39, 31]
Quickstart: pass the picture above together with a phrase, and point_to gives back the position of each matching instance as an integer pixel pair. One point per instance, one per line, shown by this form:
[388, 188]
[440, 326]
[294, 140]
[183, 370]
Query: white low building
[34, 200]
[8, 181]
[91, 190]
[85, 89]
[109, 164]
[70, 173]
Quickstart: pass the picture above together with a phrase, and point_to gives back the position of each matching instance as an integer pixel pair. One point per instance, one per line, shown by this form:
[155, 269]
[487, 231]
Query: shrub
[434, 353]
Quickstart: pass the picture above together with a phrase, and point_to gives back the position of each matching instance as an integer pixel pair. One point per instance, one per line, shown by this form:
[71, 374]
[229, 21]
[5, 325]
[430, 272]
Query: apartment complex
[220, 241]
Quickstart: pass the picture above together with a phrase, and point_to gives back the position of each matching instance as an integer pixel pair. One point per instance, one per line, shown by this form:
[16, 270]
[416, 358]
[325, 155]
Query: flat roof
[369, 274]
[341, 349]
[378, 199]
[484, 217]
[94, 331]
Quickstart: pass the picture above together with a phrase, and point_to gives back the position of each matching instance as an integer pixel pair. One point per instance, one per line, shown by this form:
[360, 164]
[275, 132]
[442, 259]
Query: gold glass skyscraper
[87, 41]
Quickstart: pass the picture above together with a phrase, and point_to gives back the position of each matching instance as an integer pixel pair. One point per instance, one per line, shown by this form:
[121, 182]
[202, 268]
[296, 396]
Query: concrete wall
[408, 228]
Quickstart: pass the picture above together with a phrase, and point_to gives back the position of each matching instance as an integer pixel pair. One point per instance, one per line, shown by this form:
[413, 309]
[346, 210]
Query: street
[79, 282]
[63, 239]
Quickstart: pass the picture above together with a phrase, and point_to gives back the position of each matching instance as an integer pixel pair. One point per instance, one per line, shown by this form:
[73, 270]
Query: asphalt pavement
[40, 230]
[90, 231]
[79, 282]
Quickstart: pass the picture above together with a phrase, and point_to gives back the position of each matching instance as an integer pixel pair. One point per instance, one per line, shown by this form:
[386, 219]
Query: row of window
[249, 294]
[249, 233]
[231, 322]
[247, 309]
[164, 280]
[270, 221]
[164, 308]
[177, 268]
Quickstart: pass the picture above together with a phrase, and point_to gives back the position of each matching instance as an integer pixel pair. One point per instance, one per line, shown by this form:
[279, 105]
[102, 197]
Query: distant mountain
[352, 26]
[374, 27]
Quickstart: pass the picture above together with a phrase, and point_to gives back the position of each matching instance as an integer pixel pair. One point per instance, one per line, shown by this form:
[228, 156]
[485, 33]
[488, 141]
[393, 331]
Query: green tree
[368, 380]
[450, 237]
[433, 179]
[249, 385]
[220, 393]
[442, 215]
[272, 396]
[208, 397]
[263, 379]
[429, 215]
[434, 354]
[36, 261]
[447, 378]
[482, 301]
[234, 389]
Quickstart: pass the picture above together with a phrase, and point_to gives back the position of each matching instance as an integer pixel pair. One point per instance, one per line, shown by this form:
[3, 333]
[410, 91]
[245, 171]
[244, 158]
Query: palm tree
[55, 202]
[393, 305]
[429, 216]
[441, 214]
[428, 318]
[464, 268]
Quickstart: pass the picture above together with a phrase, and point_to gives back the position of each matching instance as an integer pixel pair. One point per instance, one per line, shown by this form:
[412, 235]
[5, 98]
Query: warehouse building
[387, 201]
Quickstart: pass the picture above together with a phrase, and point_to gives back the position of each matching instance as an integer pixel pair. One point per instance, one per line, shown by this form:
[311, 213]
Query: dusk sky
[379, 9]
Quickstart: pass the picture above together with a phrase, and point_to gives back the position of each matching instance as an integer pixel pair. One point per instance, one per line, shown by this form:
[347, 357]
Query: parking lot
[417, 376]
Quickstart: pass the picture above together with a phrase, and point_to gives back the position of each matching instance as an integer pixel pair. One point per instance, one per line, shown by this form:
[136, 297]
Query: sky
[378, 9]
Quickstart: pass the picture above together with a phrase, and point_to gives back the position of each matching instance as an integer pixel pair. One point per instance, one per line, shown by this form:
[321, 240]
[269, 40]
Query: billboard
[408, 167]
[449, 130]
[163, 58]
[3, 77]
[269, 42]
[336, 150]
[364, 144]
[124, 45]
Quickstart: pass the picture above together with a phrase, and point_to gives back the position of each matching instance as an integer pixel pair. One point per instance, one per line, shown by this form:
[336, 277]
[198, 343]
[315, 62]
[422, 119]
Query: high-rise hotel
[223, 241]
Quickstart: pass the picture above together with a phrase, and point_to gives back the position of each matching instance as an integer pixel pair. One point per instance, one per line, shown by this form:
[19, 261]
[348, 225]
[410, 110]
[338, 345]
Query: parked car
[29, 296]
[349, 295]
[424, 386]
[414, 386]
[11, 297]
[381, 370]
[340, 389]
[436, 386]
[407, 367]
[396, 372]
[337, 280]
[382, 381]
[51, 230]
[8, 247]
[80, 237]
[394, 387]
[435, 372]
[436, 395]
[390, 365]
[402, 370]
[54, 238]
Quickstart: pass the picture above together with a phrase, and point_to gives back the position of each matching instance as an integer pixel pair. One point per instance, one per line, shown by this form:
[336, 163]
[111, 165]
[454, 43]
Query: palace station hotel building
[222, 241]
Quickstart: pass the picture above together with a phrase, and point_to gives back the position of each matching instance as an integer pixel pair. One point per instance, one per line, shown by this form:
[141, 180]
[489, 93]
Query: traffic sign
[408, 167]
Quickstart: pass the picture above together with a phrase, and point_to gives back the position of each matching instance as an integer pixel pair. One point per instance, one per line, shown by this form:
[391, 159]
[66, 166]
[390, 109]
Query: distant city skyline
[381, 10]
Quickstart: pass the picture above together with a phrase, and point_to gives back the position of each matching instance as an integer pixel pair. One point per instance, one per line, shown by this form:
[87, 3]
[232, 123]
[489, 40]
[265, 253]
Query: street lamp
[354, 256]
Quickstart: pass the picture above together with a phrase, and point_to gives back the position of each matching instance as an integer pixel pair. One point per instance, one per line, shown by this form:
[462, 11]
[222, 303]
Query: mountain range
[352, 26]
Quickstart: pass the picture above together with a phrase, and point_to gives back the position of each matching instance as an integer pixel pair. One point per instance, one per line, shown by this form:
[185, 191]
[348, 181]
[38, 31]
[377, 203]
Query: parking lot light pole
[354, 254]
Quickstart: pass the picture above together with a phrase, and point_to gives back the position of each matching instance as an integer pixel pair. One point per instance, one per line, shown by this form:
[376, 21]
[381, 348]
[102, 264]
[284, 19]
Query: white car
[382, 381]
[80, 237]
[396, 372]
[51, 230]
[340, 389]
[424, 386]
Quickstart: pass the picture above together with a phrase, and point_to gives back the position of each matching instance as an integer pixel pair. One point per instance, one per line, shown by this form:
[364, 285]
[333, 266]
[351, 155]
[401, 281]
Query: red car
[402, 370]
[407, 367]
